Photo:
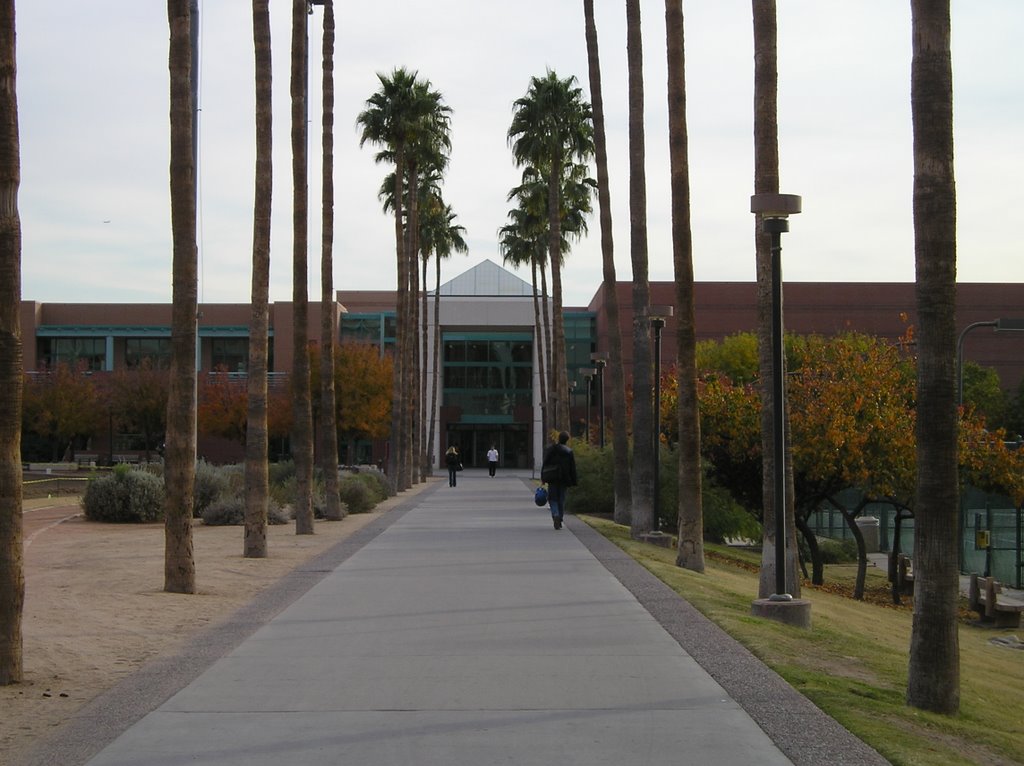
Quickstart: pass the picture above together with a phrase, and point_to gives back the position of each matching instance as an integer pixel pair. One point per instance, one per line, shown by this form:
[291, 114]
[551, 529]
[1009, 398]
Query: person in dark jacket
[558, 471]
[453, 460]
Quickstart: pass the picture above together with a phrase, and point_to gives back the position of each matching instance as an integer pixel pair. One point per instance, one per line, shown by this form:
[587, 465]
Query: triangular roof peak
[487, 279]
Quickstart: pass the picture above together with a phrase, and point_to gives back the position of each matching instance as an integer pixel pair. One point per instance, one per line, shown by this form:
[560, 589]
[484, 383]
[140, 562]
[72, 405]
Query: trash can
[869, 529]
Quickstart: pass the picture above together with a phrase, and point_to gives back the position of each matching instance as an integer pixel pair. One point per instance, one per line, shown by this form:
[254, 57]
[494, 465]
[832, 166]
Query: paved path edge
[804, 732]
[100, 721]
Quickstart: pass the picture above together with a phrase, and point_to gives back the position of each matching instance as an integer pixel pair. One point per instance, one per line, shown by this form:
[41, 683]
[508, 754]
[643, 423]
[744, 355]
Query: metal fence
[991, 532]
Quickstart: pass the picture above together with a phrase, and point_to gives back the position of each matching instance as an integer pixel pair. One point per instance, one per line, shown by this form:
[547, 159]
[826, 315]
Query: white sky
[93, 84]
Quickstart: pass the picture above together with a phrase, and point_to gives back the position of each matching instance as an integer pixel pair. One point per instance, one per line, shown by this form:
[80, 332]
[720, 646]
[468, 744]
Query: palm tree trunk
[12, 563]
[642, 517]
[933, 681]
[256, 474]
[328, 421]
[559, 374]
[302, 427]
[766, 180]
[547, 394]
[412, 347]
[395, 463]
[435, 369]
[620, 435]
[180, 457]
[424, 455]
[690, 553]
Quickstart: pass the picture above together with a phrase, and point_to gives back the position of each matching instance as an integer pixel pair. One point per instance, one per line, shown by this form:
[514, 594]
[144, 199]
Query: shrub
[726, 519]
[834, 551]
[211, 484]
[356, 495]
[230, 511]
[285, 493]
[595, 493]
[125, 495]
[377, 483]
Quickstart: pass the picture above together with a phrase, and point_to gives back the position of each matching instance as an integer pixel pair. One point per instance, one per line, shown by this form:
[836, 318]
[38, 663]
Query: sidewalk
[461, 629]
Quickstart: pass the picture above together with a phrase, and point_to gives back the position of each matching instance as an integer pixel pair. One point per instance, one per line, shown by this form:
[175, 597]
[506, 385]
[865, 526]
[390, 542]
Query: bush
[834, 551]
[230, 511]
[124, 496]
[377, 483]
[725, 519]
[211, 484]
[595, 493]
[285, 494]
[356, 495]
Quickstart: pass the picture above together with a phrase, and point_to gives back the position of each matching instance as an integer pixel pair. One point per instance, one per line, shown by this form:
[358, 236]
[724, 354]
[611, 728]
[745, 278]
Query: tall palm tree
[552, 128]
[328, 424]
[427, 161]
[400, 112]
[12, 567]
[933, 681]
[180, 455]
[256, 440]
[766, 181]
[442, 237]
[642, 511]
[302, 417]
[522, 242]
[616, 382]
[430, 205]
[690, 552]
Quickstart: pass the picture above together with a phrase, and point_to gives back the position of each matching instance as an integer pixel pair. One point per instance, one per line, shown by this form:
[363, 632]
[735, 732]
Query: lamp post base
[658, 538]
[795, 611]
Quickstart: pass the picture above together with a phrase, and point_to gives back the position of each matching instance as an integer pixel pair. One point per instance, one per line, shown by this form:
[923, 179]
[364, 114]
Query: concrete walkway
[461, 629]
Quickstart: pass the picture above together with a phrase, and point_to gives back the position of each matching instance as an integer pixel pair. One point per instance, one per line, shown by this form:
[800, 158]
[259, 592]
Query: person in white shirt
[492, 460]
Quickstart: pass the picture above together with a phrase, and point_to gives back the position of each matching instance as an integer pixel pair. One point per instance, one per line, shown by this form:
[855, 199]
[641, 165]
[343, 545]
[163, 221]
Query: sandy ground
[95, 609]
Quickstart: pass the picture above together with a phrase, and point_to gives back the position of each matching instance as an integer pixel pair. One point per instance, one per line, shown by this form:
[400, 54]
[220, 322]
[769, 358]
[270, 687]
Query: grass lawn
[853, 662]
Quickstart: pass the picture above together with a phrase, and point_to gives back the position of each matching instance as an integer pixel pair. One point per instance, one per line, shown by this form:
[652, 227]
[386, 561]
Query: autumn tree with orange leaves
[853, 415]
[362, 381]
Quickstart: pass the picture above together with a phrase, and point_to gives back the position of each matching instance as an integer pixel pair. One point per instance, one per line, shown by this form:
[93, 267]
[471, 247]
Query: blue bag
[540, 497]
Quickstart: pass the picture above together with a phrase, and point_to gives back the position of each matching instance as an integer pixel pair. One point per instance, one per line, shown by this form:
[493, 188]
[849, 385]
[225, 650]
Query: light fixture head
[775, 205]
[660, 312]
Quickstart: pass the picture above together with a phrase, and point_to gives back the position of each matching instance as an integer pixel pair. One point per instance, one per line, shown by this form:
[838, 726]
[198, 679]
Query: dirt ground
[95, 609]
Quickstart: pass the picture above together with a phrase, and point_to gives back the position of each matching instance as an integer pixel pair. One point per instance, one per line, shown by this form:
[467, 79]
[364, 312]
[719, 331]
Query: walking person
[453, 460]
[492, 460]
[558, 471]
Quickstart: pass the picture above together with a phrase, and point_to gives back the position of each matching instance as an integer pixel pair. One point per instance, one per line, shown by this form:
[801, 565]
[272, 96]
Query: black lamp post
[600, 359]
[588, 375]
[657, 317]
[774, 210]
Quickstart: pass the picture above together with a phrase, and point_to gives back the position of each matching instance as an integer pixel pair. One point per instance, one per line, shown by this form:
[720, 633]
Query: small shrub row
[137, 495]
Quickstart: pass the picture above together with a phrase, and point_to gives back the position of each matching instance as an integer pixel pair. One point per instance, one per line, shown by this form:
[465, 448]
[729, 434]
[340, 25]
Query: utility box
[982, 539]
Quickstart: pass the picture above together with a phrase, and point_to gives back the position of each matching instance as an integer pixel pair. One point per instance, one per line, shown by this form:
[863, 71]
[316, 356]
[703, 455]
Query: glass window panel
[454, 351]
[477, 351]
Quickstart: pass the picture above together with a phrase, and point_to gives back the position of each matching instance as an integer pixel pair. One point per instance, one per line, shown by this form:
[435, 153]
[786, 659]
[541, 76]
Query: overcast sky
[93, 108]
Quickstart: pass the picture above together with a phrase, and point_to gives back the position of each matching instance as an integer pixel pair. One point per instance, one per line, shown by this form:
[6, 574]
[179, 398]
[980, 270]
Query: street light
[1000, 325]
[657, 315]
[600, 359]
[588, 375]
[774, 211]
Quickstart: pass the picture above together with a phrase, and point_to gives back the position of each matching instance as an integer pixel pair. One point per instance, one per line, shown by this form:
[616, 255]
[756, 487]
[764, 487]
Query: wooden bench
[992, 605]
